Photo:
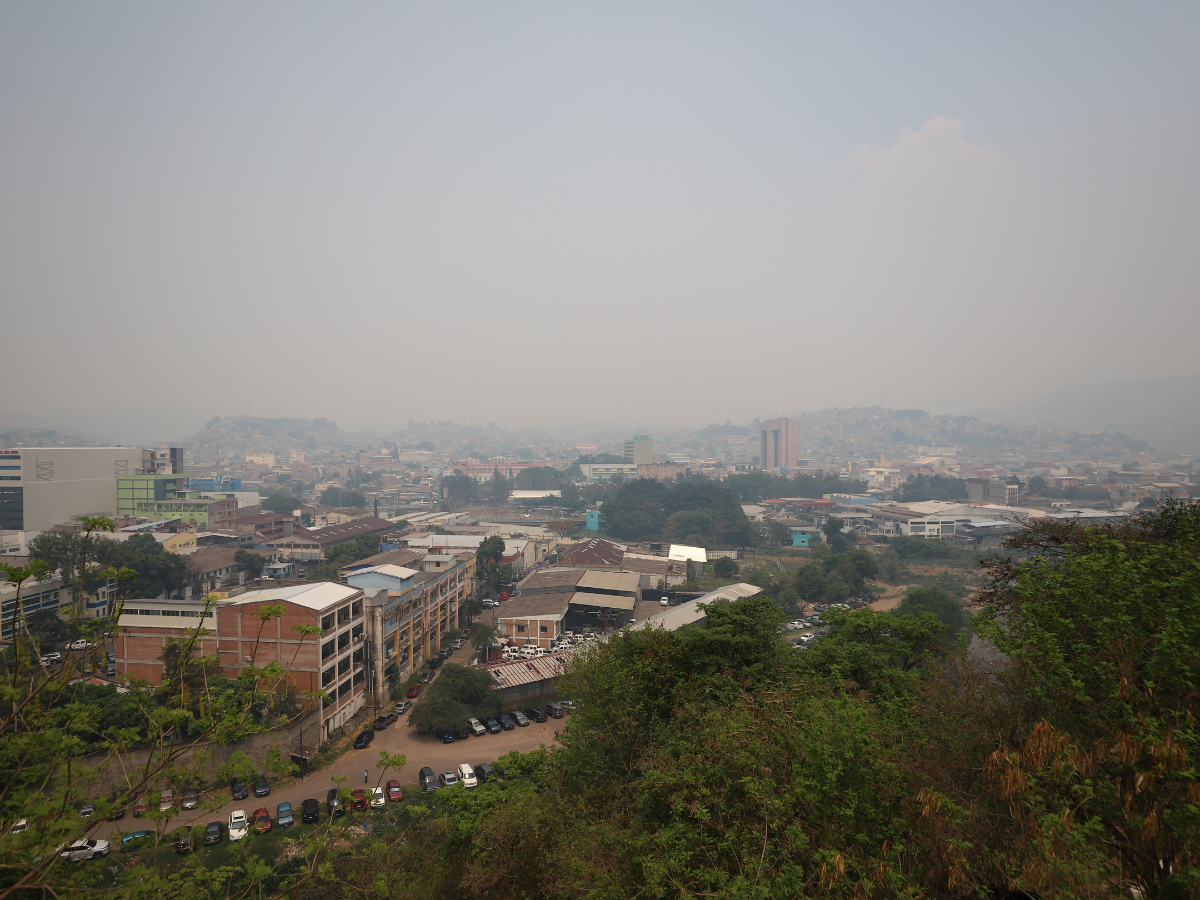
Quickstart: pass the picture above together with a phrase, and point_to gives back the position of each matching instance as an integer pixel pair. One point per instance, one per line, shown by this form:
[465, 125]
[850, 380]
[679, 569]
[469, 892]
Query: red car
[139, 804]
[413, 691]
[358, 800]
[262, 821]
[394, 792]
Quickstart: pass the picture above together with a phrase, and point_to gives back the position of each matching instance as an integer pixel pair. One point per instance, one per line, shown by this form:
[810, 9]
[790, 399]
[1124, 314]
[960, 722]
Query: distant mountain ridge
[1163, 411]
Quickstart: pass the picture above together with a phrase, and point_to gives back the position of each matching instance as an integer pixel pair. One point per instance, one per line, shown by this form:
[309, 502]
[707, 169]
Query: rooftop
[318, 596]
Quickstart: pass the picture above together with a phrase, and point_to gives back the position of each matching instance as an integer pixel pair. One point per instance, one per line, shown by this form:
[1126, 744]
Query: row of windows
[187, 613]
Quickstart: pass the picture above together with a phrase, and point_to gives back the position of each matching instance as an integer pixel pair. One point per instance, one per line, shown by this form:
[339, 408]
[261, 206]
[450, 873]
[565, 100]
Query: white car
[377, 798]
[80, 645]
[466, 775]
[81, 850]
[239, 826]
[19, 826]
[457, 644]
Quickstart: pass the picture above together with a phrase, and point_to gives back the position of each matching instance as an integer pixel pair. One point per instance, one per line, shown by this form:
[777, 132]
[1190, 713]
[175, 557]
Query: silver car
[81, 850]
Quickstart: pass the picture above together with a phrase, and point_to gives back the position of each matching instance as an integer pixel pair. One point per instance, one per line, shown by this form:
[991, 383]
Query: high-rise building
[45, 486]
[777, 444]
[639, 451]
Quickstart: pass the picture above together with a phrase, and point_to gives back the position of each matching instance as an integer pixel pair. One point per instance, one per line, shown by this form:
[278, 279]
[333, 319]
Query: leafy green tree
[483, 635]
[282, 504]
[488, 569]
[500, 487]
[724, 567]
[460, 488]
[323, 572]
[338, 498]
[933, 599]
[249, 562]
[47, 628]
[921, 487]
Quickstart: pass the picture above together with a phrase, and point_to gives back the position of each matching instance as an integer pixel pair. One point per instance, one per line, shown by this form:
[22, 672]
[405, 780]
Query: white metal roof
[389, 569]
[687, 613]
[321, 595]
[682, 553]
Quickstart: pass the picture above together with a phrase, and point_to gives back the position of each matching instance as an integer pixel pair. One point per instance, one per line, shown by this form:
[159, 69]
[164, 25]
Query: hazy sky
[672, 213]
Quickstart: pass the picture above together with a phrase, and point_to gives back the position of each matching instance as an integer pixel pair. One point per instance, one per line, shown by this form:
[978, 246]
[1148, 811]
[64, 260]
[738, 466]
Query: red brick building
[335, 659]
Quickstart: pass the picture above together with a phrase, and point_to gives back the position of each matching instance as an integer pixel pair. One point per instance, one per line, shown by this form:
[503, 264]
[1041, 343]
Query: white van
[529, 651]
[511, 653]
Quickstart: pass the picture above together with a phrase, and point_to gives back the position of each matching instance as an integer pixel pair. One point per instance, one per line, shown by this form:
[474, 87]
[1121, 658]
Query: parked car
[385, 720]
[447, 779]
[87, 810]
[110, 656]
[239, 826]
[466, 774]
[457, 644]
[238, 789]
[520, 718]
[51, 659]
[426, 677]
[463, 731]
[283, 815]
[447, 737]
[310, 811]
[183, 843]
[212, 833]
[190, 800]
[262, 787]
[553, 710]
[535, 713]
[358, 800]
[262, 820]
[110, 670]
[363, 739]
[492, 726]
[484, 773]
[403, 706]
[413, 691]
[334, 802]
[394, 792]
[135, 839]
[87, 849]
[506, 722]
[80, 644]
[476, 727]
[139, 804]
[377, 798]
[166, 800]
[427, 780]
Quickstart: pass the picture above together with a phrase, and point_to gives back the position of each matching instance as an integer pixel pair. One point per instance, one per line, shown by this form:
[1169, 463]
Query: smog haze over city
[592, 216]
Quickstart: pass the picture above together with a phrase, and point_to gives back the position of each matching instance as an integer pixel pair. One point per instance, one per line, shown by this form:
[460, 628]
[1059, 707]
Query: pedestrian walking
[365, 777]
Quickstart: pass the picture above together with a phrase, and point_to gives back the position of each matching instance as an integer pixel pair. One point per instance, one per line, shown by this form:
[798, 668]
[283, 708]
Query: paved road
[419, 750]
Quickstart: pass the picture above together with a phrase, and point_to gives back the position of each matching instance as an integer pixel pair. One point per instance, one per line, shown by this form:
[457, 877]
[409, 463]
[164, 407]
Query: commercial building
[778, 444]
[640, 450]
[602, 473]
[665, 472]
[35, 596]
[333, 659]
[411, 611]
[189, 508]
[45, 486]
[310, 544]
[134, 489]
[555, 600]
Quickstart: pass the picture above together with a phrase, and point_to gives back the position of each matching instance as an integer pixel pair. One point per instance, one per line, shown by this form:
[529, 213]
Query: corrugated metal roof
[527, 671]
[626, 582]
[550, 604]
[690, 612]
[593, 552]
[315, 596]
[683, 553]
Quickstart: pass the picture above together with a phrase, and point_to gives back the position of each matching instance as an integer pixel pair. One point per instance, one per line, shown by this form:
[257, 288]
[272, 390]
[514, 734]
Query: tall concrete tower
[777, 444]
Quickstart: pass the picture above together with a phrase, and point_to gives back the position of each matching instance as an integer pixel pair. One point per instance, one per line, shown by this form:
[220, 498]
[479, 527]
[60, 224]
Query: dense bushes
[705, 514]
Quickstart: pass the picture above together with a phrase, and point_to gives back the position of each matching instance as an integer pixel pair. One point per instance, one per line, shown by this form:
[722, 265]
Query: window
[327, 676]
[356, 632]
[356, 609]
[520, 629]
[343, 689]
[343, 615]
[544, 629]
[343, 665]
[327, 650]
[327, 622]
[359, 676]
[358, 656]
[343, 641]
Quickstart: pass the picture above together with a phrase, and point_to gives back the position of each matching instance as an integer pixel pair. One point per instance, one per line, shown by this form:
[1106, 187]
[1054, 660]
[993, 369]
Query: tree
[500, 487]
[47, 628]
[918, 488]
[249, 562]
[336, 497]
[459, 488]
[483, 636]
[282, 504]
[933, 599]
[724, 567]
[426, 445]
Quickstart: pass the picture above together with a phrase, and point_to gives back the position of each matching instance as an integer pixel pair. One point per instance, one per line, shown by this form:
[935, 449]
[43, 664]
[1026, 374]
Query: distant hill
[1163, 411]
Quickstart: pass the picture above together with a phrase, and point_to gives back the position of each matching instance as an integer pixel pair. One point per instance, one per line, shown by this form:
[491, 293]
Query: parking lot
[419, 750]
